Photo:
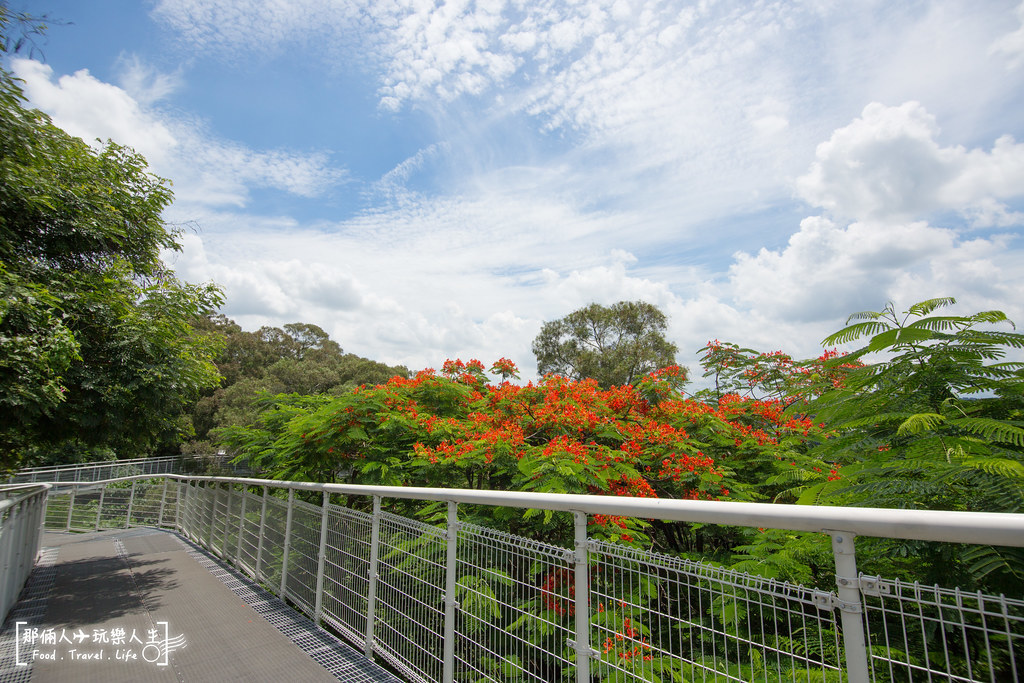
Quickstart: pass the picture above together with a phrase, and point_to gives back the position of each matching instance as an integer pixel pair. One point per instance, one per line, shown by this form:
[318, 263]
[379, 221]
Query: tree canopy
[615, 345]
[301, 359]
[98, 349]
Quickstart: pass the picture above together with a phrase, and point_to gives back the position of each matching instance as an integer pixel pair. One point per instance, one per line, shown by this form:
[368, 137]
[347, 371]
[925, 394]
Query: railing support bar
[227, 523]
[450, 604]
[241, 527]
[371, 590]
[163, 505]
[581, 599]
[180, 499]
[99, 508]
[321, 559]
[287, 543]
[851, 608]
[259, 545]
[213, 516]
[71, 508]
[131, 504]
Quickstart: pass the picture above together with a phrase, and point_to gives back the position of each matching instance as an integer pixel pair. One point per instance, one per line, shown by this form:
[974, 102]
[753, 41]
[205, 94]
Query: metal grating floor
[31, 606]
[128, 560]
[337, 657]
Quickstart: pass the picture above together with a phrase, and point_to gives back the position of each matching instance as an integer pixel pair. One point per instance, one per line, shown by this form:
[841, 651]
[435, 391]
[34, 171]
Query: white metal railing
[460, 602]
[21, 515]
[111, 469]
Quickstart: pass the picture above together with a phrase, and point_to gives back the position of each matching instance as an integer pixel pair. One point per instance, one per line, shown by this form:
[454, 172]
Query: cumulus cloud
[887, 164]
[206, 170]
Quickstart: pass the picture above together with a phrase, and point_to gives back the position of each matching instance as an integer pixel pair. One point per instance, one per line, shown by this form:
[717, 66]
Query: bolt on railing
[465, 602]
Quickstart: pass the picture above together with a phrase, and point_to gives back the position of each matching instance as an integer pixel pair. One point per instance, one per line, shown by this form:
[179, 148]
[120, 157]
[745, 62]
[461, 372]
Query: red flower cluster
[628, 643]
[558, 592]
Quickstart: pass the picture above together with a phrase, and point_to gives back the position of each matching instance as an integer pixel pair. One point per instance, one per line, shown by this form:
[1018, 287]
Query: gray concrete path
[139, 605]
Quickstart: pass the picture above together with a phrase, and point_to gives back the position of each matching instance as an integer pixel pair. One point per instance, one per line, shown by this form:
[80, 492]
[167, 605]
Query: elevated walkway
[144, 604]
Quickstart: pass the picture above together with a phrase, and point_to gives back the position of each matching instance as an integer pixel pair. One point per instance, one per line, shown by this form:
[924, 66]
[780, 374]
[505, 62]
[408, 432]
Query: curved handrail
[976, 528]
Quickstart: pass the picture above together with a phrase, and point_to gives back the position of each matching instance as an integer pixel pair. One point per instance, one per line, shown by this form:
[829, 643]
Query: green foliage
[614, 345]
[774, 376]
[98, 348]
[936, 423]
[299, 359]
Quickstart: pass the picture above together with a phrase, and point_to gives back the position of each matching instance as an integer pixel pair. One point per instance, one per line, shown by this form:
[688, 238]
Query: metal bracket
[874, 586]
[824, 601]
[591, 652]
[830, 601]
[456, 603]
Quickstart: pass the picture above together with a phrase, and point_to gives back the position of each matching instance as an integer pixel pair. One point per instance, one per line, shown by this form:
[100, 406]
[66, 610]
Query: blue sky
[429, 180]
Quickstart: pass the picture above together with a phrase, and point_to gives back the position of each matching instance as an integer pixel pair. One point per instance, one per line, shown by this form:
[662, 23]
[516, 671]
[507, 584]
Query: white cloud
[887, 164]
[206, 170]
[144, 84]
[677, 131]
[91, 109]
[826, 267]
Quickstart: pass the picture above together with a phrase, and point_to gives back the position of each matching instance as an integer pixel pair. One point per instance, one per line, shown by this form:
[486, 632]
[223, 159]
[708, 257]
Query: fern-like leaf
[928, 305]
[941, 323]
[848, 334]
[921, 422]
[991, 430]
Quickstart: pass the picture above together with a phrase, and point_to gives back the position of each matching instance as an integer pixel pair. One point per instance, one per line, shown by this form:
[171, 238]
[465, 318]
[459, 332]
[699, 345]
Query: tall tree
[98, 347]
[615, 345]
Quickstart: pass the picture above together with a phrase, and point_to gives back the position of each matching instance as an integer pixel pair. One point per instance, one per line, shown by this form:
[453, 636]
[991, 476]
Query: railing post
[131, 504]
[287, 542]
[371, 591]
[99, 508]
[182, 511]
[851, 609]
[227, 522]
[259, 545]
[581, 598]
[450, 604]
[71, 508]
[321, 559]
[241, 527]
[213, 516]
[163, 504]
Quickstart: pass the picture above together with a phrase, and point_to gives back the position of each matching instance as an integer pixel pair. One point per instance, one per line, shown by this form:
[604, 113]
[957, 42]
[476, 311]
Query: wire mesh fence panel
[516, 608]
[219, 503]
[201, 499]
[347, 572]
[303, 555]
[85, 507]
[146, 501]
[170, 503]
[228, 522]
[272, 552]
[658, 617]
[248, 547]
[409, 617]
[930, 633]
[58, 504]
[188, 509]
[113, 513]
